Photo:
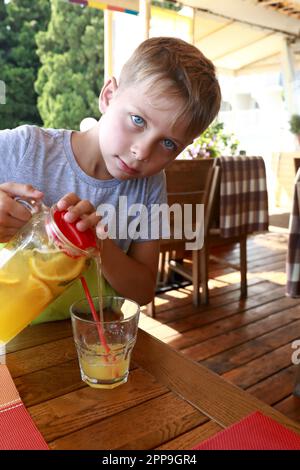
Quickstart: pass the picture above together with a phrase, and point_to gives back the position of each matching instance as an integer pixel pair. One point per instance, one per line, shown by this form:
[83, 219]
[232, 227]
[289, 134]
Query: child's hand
[78, 209]
[14, 215]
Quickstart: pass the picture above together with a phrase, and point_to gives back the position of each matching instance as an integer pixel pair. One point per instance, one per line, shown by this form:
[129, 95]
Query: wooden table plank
[143, 427]
[213, 396]
[41, 356]
[168, 402]
[191, 438]
[49, 383]
[34, 335]
[81, 408]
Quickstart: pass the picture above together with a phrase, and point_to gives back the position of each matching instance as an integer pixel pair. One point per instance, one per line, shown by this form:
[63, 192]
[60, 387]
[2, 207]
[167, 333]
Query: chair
[215, 239]
[240, 208]
[188, 182]
[236, 205]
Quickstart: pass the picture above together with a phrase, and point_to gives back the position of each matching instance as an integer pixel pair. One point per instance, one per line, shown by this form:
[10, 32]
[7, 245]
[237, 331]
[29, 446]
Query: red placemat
[255, 432]
[18, 431]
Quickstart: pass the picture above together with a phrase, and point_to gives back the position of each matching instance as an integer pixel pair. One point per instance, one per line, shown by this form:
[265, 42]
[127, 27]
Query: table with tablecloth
[293, 257]
[243, 196]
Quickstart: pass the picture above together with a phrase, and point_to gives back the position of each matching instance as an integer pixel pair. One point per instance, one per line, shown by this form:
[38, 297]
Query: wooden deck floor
[247, 342]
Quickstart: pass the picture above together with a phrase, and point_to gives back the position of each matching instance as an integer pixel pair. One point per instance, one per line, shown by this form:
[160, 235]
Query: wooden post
[289, 83]
[145, 15]
[194, 26]
[108, 44]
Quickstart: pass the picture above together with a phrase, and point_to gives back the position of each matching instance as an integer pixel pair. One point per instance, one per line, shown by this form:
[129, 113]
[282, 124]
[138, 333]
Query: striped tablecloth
[243, 196]
[293, 254]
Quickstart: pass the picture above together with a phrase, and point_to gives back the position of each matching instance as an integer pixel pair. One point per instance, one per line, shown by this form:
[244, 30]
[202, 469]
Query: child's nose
[141, 151]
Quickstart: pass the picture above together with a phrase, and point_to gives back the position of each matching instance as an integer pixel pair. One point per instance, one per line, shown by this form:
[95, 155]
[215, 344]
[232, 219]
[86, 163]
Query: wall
[284, 169]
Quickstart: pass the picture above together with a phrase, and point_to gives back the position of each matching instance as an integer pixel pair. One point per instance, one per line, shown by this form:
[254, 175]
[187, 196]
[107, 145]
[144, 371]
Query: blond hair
[179, 69]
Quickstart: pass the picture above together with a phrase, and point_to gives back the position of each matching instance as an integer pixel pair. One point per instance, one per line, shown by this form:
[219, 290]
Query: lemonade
[104, 346]
[29, 281]
[103, 370]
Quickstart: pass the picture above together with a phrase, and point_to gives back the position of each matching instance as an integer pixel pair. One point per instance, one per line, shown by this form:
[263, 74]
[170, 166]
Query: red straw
[94, 313]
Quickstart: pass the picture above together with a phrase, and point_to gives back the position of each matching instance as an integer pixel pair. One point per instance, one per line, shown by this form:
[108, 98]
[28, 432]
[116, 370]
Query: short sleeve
[154, 221]
[13, 146]
[156, 190]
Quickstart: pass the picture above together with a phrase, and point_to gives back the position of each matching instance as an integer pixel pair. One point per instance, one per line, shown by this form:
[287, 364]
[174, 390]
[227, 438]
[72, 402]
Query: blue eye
[169, 144]
[138, 120]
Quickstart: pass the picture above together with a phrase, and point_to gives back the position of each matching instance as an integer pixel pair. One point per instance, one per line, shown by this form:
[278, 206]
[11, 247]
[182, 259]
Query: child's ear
[107, 93]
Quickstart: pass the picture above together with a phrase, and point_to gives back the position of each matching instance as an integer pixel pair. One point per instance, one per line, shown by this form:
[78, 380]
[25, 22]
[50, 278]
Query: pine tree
[18, 59]
[71, 76]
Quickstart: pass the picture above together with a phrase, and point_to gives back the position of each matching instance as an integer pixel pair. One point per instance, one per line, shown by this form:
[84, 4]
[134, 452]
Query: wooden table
[169, 402]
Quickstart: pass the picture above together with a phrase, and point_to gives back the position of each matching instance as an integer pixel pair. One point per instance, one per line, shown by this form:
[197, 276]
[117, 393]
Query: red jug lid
[82, 240]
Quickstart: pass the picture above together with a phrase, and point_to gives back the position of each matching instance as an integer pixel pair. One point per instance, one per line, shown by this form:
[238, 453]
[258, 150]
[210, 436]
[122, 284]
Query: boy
[167, 95]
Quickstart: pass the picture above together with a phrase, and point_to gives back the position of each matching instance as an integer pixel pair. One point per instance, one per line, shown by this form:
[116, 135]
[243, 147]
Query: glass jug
[38, 264]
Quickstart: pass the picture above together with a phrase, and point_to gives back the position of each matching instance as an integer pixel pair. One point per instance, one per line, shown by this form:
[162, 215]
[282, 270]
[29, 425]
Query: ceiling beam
[245, 11]
[259, 63]
[239, 47]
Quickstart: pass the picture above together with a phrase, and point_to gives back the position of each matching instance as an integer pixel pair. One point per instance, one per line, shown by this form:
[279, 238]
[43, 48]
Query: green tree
[4, 48]
[167, 5]
[4, 34]
[20, 21]
[71, 76]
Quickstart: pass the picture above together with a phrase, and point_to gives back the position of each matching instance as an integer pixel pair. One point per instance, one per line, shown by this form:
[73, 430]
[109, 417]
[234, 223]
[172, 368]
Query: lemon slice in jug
[37, 292]
[7, 279]
[55, 266]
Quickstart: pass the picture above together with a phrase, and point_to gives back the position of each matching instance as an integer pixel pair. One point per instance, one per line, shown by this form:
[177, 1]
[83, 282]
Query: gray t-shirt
[44, 158]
